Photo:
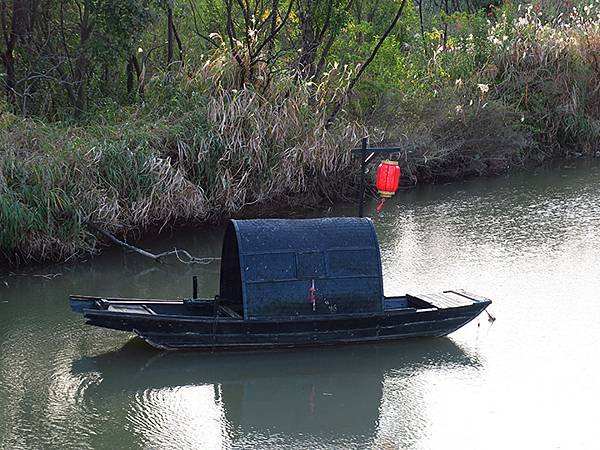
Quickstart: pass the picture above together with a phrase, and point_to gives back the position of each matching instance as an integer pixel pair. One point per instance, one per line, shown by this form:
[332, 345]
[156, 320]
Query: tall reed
[215, 152]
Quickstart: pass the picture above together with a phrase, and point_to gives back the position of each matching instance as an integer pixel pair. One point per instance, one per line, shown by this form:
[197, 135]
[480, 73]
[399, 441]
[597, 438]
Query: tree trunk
[130, 69]
[140, 73]
[179, 44]
[446, 9]
[81, 63]
[11, 79]
[308, 49]
[422, 27]
[12, 29]
[169, 32]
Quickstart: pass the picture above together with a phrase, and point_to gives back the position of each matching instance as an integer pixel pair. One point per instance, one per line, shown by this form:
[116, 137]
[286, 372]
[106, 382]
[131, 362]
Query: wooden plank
[455, 301]
[458, 298]
[445, 300]
[469, 295]
[430, 298]
[440, 301]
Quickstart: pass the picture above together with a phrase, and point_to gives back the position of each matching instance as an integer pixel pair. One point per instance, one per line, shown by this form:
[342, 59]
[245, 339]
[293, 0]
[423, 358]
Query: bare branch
[197, 29]
[187, 258]
[275, 31]
[179, 43]
[370, 59]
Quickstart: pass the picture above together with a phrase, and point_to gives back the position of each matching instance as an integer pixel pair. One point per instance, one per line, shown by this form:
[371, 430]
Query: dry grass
[551, 73]
[223, 151]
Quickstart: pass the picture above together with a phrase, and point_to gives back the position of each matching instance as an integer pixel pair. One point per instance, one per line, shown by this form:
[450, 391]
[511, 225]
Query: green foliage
[125, 169]
[118, 27]
[475, 93]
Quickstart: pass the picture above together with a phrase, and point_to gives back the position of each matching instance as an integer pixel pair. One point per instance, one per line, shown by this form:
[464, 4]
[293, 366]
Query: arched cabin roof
[268, 267]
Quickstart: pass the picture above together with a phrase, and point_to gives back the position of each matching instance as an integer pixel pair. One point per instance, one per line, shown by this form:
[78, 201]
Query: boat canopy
[269, 266]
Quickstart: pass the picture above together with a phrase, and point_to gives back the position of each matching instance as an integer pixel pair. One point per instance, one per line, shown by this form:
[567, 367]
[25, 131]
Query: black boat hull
[289, 283]
[168, 332]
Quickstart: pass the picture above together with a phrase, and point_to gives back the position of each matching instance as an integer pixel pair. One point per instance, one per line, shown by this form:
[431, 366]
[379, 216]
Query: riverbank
[199, 148]
[143, 190]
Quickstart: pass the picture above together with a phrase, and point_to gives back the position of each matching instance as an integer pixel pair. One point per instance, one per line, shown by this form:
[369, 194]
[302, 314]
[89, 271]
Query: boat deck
[450, 299]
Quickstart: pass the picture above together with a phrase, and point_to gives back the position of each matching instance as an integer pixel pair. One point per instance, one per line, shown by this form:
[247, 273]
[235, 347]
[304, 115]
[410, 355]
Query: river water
[531, 242]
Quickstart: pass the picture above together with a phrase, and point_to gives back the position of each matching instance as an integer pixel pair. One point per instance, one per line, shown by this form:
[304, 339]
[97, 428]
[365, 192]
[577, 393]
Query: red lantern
[388, 176]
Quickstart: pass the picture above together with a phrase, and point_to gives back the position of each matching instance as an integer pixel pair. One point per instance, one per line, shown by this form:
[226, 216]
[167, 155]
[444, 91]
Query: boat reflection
[304, 397]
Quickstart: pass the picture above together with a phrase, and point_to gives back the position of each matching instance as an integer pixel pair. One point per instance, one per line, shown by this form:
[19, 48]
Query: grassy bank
[200, 148]
[200, 153]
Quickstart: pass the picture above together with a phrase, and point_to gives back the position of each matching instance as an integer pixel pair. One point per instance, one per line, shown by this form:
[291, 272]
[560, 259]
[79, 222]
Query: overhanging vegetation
[159, 113]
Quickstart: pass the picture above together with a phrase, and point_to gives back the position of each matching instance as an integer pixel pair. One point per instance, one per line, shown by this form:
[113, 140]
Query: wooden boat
[289, 283]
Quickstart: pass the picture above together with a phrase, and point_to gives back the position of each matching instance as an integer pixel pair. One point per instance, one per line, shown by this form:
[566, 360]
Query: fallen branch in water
[182, 255]
[47, 276]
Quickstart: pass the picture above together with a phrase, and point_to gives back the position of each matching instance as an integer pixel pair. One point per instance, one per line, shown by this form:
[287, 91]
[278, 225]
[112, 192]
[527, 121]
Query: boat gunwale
[280, 319]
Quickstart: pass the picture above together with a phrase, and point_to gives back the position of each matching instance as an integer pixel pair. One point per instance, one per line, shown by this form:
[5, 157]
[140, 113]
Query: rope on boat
[490, 317]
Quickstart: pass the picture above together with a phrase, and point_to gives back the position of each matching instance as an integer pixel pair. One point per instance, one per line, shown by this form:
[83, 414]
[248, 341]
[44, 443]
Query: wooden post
[364, 160]
[194, 287]
[363, 168]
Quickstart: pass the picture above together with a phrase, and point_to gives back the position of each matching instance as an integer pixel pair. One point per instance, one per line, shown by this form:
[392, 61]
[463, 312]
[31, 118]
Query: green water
[531, 242]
